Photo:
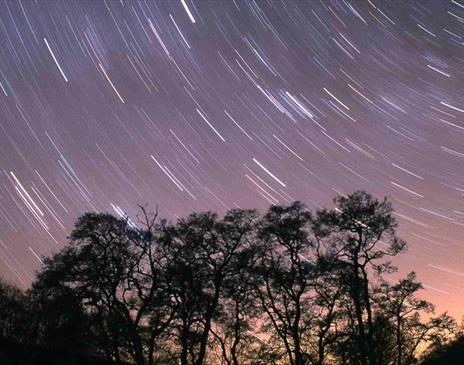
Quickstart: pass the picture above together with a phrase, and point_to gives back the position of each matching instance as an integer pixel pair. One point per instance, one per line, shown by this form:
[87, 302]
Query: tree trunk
[184, 344]
[372, 355]
[355, 295]
[151, 350]
[237, 334]
[138, 351]
[398, 340]
[208, 318]
[204, 336]
[296, 336]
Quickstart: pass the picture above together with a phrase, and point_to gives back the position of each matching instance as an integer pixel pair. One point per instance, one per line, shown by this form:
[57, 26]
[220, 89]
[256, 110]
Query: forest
[285, 286]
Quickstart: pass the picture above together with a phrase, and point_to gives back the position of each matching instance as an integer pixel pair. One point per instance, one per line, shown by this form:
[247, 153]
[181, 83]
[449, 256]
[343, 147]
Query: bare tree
[358, 234]
[284, 275]
[203, 251]
[400, 303]
[286, 287]
[234, 325]
[113, 267]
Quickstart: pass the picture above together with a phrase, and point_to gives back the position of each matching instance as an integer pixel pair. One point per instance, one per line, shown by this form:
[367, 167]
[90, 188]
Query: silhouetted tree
[284, 275]
[11, 310]
[237, 310]
[113, 268]
[352, 233]
[450, 353]
[400, 303]
[57, 317]
[203, 252]
[234, 325]
[324, 316]
[285, 287]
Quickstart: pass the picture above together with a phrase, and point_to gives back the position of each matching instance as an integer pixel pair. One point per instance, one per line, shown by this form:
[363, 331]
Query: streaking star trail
[209, 105]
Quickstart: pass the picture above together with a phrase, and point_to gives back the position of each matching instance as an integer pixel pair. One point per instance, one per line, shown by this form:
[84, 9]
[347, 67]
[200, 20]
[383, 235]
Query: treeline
[286, 287]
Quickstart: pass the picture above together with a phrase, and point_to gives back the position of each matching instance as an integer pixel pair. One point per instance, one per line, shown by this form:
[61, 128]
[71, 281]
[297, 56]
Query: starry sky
[210, 105]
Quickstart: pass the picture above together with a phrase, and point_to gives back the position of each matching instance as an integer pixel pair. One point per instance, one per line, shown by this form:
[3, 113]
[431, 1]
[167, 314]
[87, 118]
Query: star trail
[209, 105]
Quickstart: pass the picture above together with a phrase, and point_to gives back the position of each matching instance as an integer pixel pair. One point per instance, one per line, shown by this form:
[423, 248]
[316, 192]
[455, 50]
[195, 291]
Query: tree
[56, 317]
[400, 303]
[114, 269]
[234, 325]
[351, 234]
[203, 251]
[11, 310]
[450, 353]
[245, 289]
[284, 275]
[324, 316]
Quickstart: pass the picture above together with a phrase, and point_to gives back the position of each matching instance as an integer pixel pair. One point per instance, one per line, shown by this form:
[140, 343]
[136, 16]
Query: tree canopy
[289, 286]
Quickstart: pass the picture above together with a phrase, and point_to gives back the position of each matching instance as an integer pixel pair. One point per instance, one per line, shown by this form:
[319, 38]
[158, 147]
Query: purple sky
[197, 105]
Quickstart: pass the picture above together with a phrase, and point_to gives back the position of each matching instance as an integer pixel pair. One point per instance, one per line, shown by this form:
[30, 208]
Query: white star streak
[109, 80]
[56, 61]
[269, 173]
[190, 15]
[210, 125]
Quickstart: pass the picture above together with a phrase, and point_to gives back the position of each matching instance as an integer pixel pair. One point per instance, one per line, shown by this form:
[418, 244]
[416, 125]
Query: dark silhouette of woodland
[285, 287]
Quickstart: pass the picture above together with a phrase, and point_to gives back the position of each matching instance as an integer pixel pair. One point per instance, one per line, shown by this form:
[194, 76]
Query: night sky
[210, 105]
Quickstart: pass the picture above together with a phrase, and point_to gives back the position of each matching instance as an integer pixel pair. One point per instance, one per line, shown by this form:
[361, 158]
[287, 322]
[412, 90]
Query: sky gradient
[197, 105]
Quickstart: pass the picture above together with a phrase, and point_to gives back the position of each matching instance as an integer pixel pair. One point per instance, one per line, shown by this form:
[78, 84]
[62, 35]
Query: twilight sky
[208, 105]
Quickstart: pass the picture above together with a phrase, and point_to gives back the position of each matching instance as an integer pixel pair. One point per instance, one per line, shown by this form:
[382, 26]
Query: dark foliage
[287, 287]
[449, 354]
[14, 353]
